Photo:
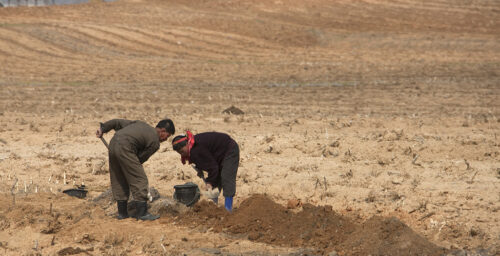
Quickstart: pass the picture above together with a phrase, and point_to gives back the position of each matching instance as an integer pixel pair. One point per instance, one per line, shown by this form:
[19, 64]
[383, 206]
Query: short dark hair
[177, 146]
[167, 124]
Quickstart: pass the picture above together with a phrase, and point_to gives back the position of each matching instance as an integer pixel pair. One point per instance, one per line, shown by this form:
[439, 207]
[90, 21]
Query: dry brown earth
[376, 108]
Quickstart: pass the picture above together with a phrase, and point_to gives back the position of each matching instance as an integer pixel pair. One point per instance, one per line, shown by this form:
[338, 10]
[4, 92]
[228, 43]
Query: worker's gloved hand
[208, 186]
[98, 133]
[212, 194]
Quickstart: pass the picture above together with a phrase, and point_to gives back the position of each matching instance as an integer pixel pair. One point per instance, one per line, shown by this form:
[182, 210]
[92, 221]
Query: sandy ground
[375, 108]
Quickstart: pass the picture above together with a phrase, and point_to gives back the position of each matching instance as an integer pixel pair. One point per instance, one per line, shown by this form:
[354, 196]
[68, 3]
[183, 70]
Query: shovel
[105, 142]
[103, 139]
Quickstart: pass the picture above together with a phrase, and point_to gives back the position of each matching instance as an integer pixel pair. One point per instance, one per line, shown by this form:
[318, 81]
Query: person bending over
[132, 145]
[215, 153]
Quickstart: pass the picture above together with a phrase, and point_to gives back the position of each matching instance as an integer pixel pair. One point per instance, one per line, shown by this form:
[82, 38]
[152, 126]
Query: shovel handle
[102, 138]
[105, 142]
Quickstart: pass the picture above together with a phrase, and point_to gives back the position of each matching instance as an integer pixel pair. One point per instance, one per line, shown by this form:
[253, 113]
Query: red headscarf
[190, 143]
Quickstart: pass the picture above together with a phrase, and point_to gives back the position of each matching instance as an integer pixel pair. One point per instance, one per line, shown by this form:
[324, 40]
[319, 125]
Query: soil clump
[233, 110]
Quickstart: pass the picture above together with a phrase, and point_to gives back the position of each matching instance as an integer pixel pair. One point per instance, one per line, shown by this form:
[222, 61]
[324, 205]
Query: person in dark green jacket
[133, 144]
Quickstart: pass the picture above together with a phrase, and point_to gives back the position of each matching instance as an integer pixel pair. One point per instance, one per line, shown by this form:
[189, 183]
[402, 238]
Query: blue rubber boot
[229, 203]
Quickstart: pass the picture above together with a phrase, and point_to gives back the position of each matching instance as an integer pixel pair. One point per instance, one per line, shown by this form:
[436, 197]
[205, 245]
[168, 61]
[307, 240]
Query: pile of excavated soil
[318, 227]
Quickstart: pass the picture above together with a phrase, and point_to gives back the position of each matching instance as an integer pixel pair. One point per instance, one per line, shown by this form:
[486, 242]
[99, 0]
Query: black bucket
[79, 192]
[187, 194]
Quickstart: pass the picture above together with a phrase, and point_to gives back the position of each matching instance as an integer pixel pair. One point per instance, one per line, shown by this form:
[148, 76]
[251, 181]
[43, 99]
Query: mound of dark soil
[266, 221]
[318, 227]
[388, 236]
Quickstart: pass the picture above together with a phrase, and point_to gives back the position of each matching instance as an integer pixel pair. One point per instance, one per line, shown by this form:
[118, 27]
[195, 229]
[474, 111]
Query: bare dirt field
[369, 128]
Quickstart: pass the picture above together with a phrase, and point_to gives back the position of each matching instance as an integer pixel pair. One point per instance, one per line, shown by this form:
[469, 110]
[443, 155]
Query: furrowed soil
[368, 127]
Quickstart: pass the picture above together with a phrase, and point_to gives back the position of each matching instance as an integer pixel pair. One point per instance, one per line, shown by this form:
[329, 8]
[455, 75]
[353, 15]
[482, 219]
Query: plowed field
[377, 122]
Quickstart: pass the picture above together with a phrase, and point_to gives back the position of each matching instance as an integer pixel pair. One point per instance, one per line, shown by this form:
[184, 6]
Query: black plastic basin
[187, 194]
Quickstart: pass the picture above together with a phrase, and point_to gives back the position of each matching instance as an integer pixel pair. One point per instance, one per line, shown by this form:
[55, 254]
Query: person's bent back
[215, 153]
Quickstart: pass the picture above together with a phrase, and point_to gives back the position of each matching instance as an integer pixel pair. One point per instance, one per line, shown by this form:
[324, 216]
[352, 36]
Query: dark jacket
[208, 152]
[139, 136]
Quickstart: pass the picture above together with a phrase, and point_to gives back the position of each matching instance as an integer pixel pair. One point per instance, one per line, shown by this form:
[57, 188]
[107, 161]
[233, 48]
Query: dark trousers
[126, 172]
[229, 171]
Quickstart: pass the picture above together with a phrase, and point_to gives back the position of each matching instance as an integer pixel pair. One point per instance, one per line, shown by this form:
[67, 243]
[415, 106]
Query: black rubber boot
[122, 209]
[142, 212]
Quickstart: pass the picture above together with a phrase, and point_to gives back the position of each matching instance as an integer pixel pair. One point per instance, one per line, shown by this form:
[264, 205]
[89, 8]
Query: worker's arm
[205, 161]
[114, 124]
[150, 149]
[199, 172]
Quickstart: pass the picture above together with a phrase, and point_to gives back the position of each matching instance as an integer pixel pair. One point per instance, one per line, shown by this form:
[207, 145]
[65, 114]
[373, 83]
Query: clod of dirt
[168, 206]
[293, 203]
[211, 250]
[4, 223]
[233, 110]
[73, 251]
[335, 144]
[53, 226]
[333, 253]
[477, 252]
[86, 239]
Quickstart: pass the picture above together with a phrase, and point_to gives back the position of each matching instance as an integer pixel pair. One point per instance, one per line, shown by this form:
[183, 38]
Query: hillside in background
[368, 128]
